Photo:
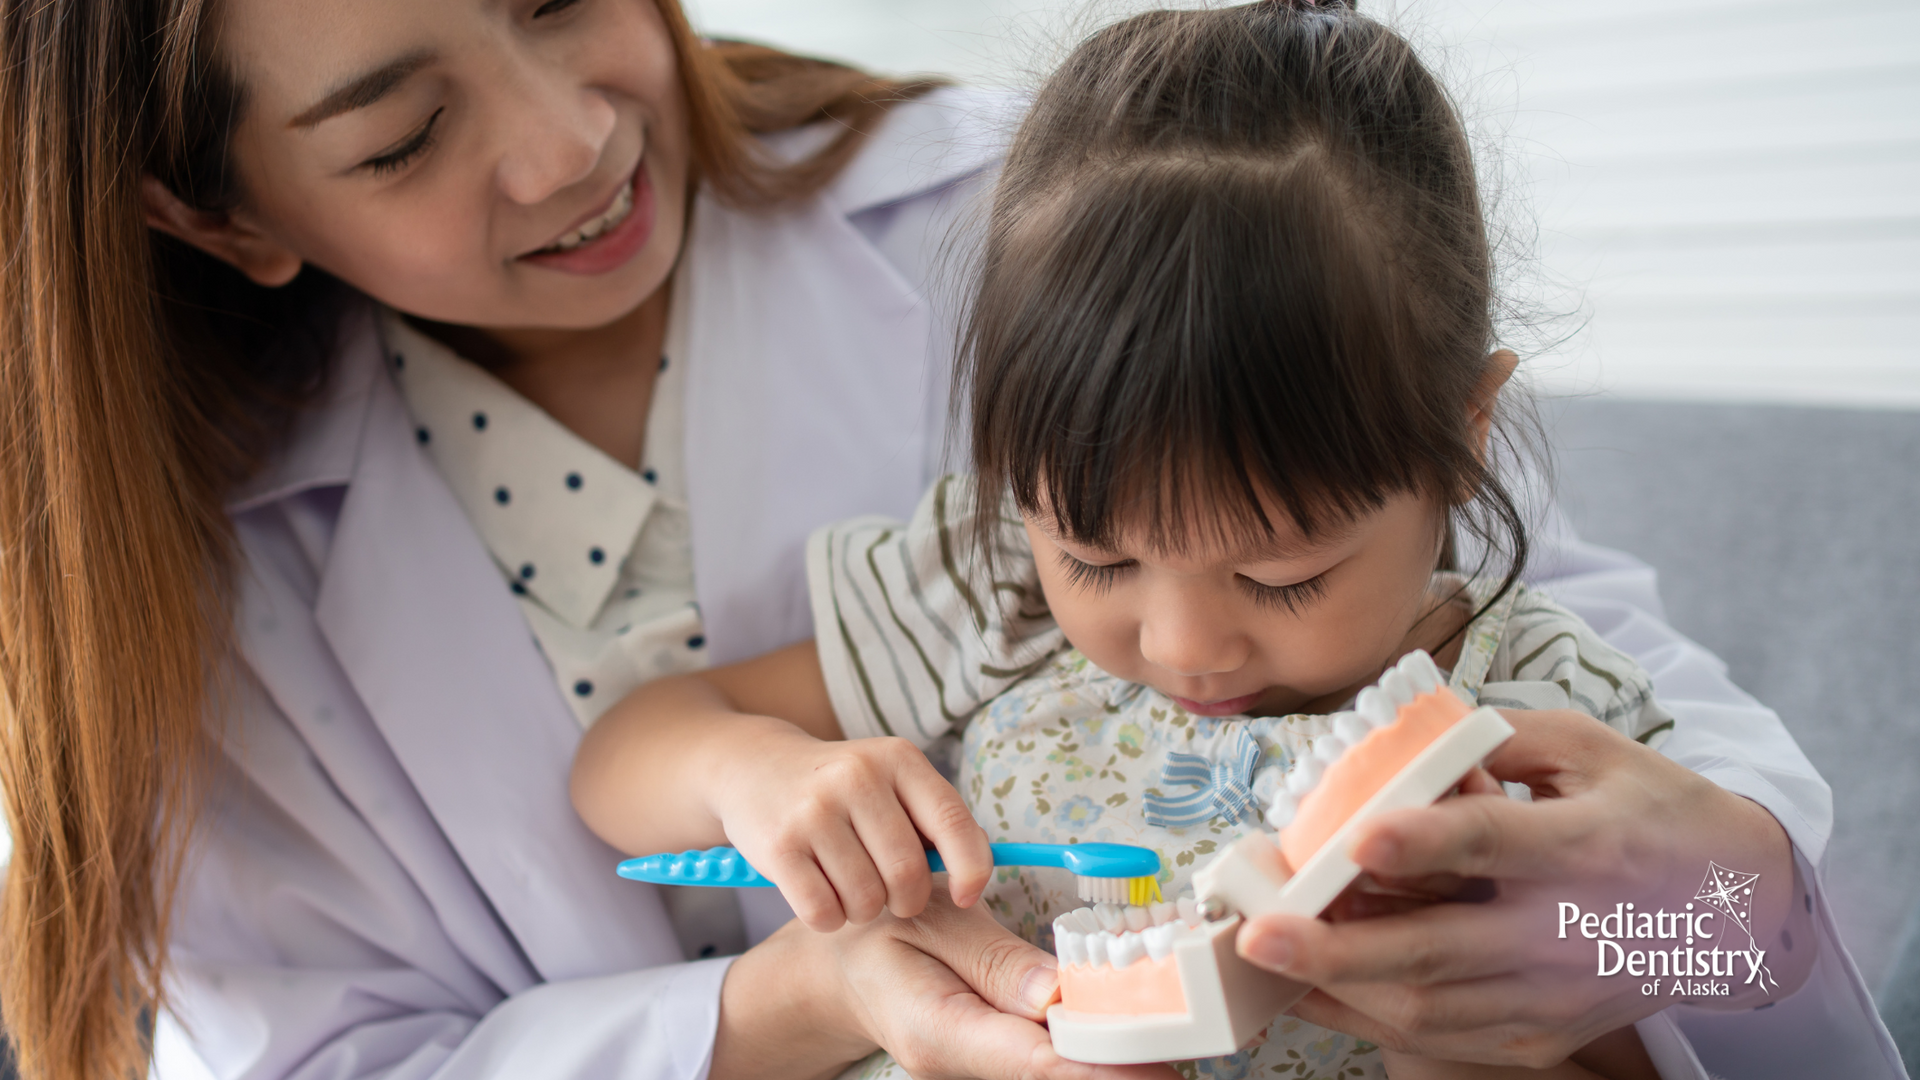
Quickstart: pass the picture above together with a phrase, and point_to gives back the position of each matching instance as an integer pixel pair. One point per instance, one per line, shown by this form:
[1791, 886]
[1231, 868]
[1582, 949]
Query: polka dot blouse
[599, 557]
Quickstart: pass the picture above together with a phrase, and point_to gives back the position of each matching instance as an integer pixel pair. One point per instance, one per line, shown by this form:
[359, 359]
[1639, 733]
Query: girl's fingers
[813, 899]
[942, 817]
[894, 848]
[848, 866]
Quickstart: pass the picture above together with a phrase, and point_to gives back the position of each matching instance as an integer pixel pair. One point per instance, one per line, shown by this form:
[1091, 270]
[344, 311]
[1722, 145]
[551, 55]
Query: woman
[290, 702]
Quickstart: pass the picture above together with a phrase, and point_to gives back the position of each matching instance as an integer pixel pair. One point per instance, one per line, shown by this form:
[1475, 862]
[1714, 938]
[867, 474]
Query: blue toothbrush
[1105, 873]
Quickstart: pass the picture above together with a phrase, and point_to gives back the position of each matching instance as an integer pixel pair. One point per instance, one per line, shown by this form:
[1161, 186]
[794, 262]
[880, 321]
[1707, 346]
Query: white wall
[1726, 192]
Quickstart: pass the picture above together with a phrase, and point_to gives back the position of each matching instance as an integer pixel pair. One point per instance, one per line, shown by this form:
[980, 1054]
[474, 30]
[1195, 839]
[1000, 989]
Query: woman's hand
[1612, 822]
[949, 993]
[838, 825]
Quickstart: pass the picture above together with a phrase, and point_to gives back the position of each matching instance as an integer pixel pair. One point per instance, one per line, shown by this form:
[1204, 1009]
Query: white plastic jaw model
[1157, 983]
[1163, 983]
[1410, 742]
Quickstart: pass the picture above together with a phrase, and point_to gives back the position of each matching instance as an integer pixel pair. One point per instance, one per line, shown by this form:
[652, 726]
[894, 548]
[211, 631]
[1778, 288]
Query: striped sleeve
[914, 633]
[1550, 659]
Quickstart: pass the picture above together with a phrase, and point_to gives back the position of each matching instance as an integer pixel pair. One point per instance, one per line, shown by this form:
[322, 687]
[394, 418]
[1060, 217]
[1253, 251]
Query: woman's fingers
[1434, 944]
[1477, 836]
[965, 999]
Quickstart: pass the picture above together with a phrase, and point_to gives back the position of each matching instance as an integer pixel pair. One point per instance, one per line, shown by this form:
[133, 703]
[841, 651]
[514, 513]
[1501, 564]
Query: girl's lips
[1224, 707]
[611, 249]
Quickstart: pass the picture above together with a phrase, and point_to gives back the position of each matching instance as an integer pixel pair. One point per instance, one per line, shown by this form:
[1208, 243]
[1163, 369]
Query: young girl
[1233, 386]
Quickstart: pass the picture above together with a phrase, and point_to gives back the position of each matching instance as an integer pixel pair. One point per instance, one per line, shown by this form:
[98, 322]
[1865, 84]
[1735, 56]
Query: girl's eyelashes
[1096, 577]
[1292, 598]
[553, 6]
[409, 148]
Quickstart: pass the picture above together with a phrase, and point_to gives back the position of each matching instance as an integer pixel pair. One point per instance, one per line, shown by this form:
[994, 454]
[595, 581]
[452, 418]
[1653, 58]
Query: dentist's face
[491, 163]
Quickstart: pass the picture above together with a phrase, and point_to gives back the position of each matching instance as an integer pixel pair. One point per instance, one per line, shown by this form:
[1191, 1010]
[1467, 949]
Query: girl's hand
[1612, 822]
[839, 826]
[950, 993]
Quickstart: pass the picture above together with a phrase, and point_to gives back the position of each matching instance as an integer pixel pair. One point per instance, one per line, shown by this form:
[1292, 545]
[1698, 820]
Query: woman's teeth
[617, 213]
[1116, 935]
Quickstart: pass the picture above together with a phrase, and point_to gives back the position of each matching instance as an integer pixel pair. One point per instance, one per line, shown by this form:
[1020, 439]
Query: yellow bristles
[1143, 890]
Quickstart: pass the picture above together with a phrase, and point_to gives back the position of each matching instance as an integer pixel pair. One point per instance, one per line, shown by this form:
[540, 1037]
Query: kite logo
[1730, 892]
[1683, 956]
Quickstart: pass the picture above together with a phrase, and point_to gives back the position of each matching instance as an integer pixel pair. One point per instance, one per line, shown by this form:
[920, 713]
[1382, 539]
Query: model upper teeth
[1117, 935]
[1376, 707]
[615, 214]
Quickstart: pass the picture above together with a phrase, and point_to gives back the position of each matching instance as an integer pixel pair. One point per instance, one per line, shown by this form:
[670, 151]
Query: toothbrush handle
[1013, 855]
[723, 867]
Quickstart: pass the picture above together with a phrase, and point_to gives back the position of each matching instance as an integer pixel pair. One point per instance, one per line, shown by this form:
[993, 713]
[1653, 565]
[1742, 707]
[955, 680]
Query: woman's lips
[611, 249]
[1223, 707]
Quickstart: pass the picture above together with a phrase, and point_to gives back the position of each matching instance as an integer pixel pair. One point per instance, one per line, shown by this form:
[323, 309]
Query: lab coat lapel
[806, 403]
[433, 643]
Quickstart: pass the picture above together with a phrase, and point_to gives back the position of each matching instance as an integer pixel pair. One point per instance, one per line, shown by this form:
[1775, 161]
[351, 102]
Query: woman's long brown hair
[138, 381]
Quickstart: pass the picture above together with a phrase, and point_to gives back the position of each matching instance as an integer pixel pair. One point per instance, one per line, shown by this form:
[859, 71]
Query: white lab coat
[389, 879]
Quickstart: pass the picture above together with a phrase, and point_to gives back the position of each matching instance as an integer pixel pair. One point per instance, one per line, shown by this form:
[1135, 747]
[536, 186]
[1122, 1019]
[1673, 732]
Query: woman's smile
[607, 238]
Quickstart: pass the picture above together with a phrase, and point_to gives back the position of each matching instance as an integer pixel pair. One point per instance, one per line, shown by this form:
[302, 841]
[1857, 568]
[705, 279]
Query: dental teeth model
[1409, 742]
[1157, 982]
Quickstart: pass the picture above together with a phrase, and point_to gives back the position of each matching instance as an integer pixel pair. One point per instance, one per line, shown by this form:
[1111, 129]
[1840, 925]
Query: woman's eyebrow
[363, 91]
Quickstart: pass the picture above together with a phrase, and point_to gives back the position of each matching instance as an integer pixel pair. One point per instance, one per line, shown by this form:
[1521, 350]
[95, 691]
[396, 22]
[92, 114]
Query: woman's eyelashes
[1292, 598]
[415, 144]
[1095, 577]
[553, 7]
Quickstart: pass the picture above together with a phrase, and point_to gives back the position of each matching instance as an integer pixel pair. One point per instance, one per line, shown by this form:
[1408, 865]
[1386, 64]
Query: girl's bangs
[1184, 343]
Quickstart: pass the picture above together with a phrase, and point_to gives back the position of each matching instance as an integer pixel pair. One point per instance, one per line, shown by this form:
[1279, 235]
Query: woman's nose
[554, 136]
[1189, 637]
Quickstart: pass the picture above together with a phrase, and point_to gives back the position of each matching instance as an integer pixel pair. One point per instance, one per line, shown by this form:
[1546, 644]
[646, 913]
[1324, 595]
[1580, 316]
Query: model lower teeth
[617, 213]
[1117, 935]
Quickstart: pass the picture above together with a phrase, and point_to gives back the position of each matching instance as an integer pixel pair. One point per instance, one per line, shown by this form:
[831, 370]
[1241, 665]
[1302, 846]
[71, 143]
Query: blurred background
[1712, 211]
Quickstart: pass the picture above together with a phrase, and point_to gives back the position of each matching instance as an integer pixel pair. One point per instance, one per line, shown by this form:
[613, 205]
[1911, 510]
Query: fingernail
[1380, 851]
[1272, 950]
[1038, 988]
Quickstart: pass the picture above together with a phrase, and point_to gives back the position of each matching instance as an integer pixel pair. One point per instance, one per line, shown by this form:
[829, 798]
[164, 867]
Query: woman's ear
[1500, 365]
[227, 238]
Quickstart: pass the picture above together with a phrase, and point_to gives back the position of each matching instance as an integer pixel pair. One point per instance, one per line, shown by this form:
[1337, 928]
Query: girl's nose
[1190, 638]
[555, 134]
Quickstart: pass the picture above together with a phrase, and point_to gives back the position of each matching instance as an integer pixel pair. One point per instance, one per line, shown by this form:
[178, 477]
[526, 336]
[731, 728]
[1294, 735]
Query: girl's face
[448, 157]
[1286, 626]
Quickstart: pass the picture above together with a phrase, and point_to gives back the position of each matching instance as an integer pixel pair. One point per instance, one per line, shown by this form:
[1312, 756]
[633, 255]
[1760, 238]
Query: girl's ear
[224, 236]
[1500, 365]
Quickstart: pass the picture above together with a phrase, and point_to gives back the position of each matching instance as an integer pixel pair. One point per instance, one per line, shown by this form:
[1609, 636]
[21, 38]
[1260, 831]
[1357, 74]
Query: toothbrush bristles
[1135, 891]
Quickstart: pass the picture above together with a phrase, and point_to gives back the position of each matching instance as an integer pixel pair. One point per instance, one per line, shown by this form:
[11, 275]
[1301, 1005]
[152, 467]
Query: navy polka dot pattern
[611, 605]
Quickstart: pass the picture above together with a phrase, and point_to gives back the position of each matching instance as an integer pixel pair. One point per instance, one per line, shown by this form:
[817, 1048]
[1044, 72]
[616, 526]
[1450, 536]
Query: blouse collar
[555, 512]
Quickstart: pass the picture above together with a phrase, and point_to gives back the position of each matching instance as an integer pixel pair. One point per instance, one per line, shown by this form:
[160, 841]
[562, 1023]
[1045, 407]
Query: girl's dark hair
[1236, 253]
